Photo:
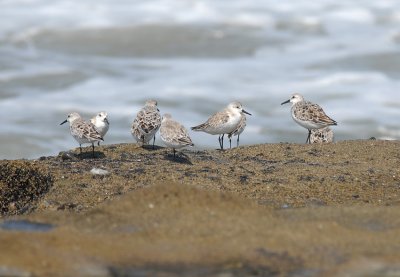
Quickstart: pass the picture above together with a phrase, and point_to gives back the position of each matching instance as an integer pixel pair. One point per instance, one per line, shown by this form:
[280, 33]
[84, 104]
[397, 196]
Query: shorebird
[238, 131]
[82, 131]
[323, 135]
[173, 134]
[100, 121]
[223, 122]
[146, 123]
[308, 115]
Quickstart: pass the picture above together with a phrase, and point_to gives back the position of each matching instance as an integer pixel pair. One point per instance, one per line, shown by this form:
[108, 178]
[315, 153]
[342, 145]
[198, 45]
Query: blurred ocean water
[195, 57]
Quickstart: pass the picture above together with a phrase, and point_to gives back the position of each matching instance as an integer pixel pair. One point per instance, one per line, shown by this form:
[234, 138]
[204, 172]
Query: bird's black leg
[237, 141]
[80, 149]
[174, 152]
[230, 142]
[154, 141]
[219, 140]
[222, 141]
[93, 150]
[308, 137]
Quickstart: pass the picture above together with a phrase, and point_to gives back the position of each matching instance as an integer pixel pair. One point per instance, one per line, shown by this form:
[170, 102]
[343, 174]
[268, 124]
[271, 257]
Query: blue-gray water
[25, 226]
[194, 57]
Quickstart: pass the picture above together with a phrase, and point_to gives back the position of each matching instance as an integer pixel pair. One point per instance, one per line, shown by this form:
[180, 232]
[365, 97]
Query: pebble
[99, 171]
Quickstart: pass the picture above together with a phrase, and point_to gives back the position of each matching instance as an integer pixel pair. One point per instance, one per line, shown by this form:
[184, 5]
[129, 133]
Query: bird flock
[230, 121]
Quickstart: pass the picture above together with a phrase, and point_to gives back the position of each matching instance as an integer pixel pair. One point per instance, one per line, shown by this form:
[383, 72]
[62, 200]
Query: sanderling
[146, 123]
[173, 134]
[308, 115]
[101, 123]
[82, 131]
[223, 122]
[322, 135]
[238, 131]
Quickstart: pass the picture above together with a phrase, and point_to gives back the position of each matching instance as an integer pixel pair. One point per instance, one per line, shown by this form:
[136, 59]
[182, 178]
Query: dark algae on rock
[22, 183]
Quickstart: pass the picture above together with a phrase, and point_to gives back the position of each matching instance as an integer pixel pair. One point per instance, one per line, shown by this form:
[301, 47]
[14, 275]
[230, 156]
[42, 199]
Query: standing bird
[223, 122]
[308, 115]
[146, 123]
[173, 134]
[82, 131]
[101, 123]
[238, 131]
[324, 135]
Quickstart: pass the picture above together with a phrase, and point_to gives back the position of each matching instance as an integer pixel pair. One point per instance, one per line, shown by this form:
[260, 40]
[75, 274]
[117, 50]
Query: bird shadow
[89, 155]
[223, 150]
[151, 148]
[179, 158]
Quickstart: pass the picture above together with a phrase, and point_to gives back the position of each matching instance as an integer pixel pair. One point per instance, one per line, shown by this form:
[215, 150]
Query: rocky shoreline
[263, 210]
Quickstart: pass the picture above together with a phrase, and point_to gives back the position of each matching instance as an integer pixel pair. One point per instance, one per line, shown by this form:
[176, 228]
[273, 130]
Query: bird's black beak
[287, 101]
[63, 122]
[106, 121]
[246, 112]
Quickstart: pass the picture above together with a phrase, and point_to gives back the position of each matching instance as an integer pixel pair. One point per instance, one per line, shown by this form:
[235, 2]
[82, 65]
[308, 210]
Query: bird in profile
[223, 122]
[173, 134]
[308, 115]
[82, 131]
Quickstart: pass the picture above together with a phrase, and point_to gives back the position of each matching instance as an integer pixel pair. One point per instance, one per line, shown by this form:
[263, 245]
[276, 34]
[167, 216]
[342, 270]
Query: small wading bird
[82, 131]
[323, 135]
[223, 122]
[238, 131]
[101, 123]
[173, 134]
[308, 115]
[146, 123]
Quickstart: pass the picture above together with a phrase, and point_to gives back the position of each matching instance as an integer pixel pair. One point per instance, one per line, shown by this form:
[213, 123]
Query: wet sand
[262, 210]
